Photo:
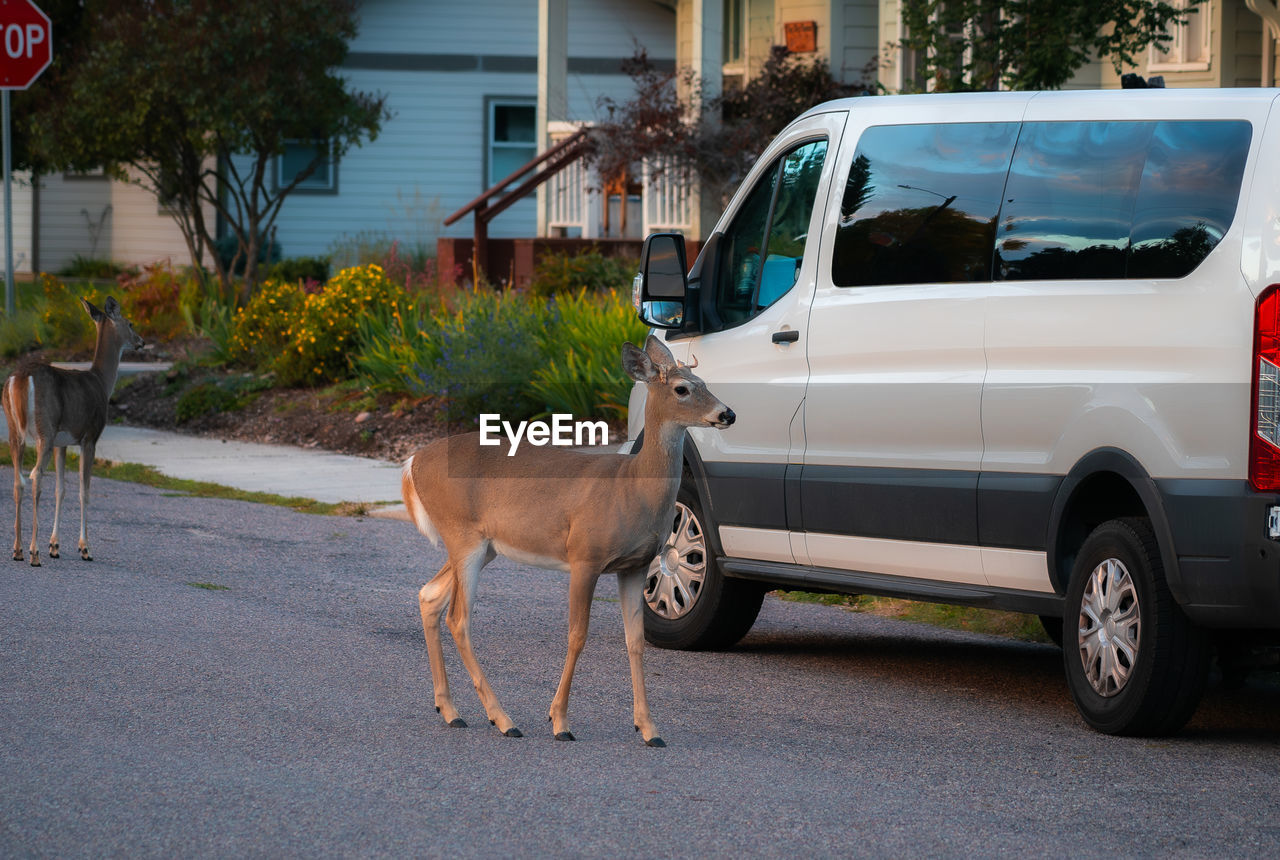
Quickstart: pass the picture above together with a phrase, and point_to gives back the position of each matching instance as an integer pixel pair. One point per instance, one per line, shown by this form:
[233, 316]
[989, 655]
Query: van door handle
[786, 336]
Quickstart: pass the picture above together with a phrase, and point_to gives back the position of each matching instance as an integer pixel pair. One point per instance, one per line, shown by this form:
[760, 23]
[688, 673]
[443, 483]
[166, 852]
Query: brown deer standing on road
[53, 408]
[588, 514]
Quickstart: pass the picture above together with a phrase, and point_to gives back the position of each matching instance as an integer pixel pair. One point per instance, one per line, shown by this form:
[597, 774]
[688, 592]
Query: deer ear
[658, 352]
[112, 307]
[94, 314]
[637, 364]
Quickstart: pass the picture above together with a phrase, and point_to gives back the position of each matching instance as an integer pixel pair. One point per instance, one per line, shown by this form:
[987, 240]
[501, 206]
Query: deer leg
[631, 597]
[42, 451]
[582, 585]
[16, 449]
[434, 600]
[59, 467]
[459, 619]
[86, 467]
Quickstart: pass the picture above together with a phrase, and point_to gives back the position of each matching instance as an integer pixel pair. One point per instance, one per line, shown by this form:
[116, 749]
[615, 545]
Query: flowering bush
[63, 322]
[153, 300]
[322, 339]
[262, 329]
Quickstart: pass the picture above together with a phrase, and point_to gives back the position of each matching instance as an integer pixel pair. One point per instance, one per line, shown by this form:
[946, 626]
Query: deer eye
[682, 390]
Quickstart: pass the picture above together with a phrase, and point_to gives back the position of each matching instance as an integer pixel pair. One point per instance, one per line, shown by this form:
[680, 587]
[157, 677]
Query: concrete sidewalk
[281, 469]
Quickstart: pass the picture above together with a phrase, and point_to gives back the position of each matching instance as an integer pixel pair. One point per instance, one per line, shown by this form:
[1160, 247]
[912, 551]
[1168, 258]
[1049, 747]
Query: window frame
[491, 104]
[1175, 59]
[304, 187]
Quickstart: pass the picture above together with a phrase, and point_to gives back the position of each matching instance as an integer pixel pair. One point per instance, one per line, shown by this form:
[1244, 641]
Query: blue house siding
[439, 64]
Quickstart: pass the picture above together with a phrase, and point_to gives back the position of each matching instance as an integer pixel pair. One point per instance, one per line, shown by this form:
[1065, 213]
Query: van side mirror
[659, 289]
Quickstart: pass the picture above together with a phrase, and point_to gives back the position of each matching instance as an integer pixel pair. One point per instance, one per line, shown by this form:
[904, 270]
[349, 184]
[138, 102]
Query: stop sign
[26, 43]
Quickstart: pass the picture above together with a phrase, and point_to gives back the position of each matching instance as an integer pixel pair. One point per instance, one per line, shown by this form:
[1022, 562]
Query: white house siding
[857, 44]
[67, 205]
[21, 203]
[438, 64]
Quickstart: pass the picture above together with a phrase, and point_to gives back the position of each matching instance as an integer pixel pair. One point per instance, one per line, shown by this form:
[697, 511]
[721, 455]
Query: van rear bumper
[1228, 567]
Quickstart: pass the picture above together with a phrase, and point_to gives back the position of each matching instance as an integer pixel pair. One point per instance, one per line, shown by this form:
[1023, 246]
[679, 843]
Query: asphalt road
[290, 715]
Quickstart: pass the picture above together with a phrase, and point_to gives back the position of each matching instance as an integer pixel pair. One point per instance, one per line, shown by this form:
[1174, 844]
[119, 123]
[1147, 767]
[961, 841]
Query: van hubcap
[1109, 628]
[675, 577]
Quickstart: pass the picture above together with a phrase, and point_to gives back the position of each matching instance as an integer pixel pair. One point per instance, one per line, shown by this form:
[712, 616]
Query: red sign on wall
[802, 36]
[26, 43]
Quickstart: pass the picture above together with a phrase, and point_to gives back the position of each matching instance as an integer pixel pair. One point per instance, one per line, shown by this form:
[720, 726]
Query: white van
[1014, 350]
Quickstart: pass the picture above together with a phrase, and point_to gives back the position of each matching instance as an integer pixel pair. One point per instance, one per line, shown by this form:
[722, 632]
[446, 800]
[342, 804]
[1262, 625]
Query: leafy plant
[322, 342]
[92, 267]
[228, 394]
[300, 270]
[153, 300]
[263, 328]
[582, 374]
[566, 272]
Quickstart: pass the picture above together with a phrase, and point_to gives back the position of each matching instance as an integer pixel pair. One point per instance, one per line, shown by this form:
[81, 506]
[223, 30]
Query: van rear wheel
[689, 604]
[1135, 664]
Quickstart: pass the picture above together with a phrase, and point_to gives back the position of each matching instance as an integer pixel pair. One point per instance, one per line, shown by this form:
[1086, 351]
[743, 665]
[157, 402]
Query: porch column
[553, 81]
[707, 60]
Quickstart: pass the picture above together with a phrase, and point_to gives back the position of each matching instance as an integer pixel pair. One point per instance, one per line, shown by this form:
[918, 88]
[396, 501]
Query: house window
[1189, 49]
[298, 155]
[513, 138]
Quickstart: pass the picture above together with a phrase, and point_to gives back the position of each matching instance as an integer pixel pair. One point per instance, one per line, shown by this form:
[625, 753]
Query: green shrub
[583, 374]
[322, 341]
[570, 273]
[225, 395]
[92, 267]
[300, 269]
[20, 333]
[263, 328]
[63, 321]
[476, 352]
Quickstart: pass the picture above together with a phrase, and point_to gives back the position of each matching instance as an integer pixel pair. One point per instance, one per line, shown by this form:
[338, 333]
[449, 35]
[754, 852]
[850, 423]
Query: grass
[137, 473]
[1011, 625]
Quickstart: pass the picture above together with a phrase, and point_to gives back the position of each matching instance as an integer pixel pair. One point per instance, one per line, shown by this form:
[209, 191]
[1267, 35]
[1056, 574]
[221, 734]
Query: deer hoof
[655, 742]
[17, 556]
[84, 555]
[457, 723]
[53, 551]
[565, 736]
[35, 562]
[512, 732]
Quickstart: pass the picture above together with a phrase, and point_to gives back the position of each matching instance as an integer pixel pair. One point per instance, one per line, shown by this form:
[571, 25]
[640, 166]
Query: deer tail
[412, 501]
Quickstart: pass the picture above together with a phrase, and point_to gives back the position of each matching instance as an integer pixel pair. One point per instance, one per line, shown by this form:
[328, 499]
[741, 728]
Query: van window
[1094, 200]
[1069, 201]
[1188, 196]
[764, 246]
[920, 204]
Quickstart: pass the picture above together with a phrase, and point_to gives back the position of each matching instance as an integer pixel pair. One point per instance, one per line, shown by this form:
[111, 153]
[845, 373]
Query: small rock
[363, 417]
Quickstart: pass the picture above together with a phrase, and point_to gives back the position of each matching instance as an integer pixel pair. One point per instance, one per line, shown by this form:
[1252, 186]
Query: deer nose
[727, 417]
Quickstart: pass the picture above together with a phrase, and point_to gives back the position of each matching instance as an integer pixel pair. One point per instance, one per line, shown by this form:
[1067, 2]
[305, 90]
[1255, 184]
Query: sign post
[26, 49]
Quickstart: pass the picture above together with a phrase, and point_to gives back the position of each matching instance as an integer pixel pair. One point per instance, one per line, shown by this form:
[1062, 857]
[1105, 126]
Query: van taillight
[1264, 441]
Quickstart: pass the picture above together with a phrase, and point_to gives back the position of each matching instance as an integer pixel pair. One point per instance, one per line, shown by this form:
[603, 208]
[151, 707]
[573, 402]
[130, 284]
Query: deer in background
[52, 408]
[585, 513]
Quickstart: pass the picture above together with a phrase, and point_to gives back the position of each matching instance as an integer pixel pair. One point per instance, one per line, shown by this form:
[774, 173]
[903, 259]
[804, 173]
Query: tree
[193, 99]
[717, 139]
[1025, 44]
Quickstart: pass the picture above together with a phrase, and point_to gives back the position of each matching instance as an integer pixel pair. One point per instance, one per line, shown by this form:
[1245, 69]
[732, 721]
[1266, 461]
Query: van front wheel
[689, 605]
[1135, 664]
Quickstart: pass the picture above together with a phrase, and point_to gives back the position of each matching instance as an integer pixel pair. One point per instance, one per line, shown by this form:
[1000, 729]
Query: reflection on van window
[1069, 201]
[763, 249]
[1083, 200]
[1119, 199]
[920, 204]
[1187, 199]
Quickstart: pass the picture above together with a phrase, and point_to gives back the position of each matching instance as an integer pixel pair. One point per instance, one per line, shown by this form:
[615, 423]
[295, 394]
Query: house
[480, 88]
